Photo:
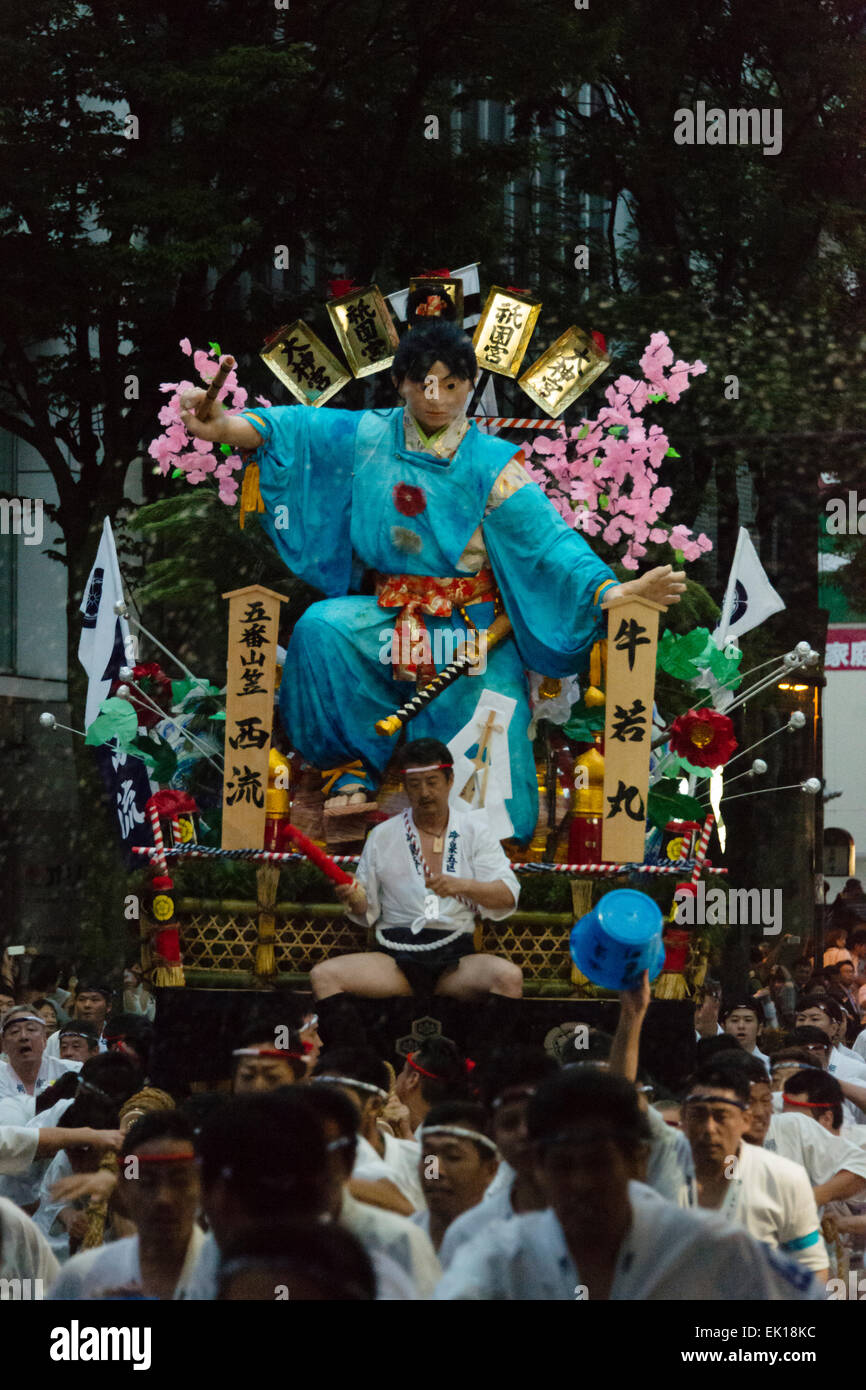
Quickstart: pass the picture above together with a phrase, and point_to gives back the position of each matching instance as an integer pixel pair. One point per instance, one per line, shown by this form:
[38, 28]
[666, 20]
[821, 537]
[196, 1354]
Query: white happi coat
[394, 882]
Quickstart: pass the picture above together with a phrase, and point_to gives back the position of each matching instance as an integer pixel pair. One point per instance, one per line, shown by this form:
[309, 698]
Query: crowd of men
[320, 1172]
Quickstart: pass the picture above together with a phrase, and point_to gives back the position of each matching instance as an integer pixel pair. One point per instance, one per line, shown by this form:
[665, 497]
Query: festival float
[603, 789]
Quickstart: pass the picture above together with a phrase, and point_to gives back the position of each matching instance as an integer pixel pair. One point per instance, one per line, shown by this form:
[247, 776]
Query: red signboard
[846, 648]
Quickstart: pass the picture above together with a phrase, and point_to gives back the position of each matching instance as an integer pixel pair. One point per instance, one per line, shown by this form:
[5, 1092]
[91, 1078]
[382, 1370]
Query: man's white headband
[458, 1133]
[21, 1018]
[433, 767]
[351, 1082]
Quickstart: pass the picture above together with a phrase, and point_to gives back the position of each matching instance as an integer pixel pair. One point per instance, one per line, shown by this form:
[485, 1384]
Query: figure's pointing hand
[663, 585]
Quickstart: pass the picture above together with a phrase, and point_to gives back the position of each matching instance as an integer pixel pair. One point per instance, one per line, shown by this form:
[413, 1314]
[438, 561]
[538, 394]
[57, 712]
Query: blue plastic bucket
[620, 938]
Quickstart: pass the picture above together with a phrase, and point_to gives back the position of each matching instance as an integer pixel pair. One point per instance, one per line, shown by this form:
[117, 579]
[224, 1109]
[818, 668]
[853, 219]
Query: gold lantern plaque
[564, 372]
[504, 330]
[365, 329]
[434, 297]
[303, 364]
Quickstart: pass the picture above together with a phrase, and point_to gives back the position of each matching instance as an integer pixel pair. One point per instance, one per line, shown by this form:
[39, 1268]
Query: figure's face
[428, 792]
[846, 974]
[91, 1007]
[74, 1049]
[439, 399]
[742, 1024]
[801, 974]
[816, 1018]
[7, 1002]
[760, 1112]
[714, 1126]
[454, 1176]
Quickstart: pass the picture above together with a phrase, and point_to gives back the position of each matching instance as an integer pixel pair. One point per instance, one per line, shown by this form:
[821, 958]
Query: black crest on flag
[94, 594]
[741, 602]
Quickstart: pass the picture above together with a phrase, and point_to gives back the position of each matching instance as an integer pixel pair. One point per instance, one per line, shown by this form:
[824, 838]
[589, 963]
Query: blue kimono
[331, 481]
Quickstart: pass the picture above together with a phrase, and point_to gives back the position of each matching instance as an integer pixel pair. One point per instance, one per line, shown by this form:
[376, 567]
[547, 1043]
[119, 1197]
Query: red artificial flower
[171, 803]
[703, 737]
[408, 499]
[434, 275]
[600, 341]
[337, 288]
[433, 307]
[153, 681]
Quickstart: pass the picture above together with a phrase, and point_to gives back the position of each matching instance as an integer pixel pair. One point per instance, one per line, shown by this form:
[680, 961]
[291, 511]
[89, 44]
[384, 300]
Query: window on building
[838, 853]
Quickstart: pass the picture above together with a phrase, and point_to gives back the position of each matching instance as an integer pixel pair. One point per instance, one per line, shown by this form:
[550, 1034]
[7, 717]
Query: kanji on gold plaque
[632, 636]
[254, 615]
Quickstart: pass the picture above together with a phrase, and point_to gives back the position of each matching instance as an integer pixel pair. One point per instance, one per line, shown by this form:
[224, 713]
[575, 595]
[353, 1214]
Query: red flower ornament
[338, 287]
[703, 737]
[409, 499]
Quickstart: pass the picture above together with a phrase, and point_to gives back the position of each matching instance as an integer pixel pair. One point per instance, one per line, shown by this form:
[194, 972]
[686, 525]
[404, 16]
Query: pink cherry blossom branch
[602, 477]
[199, 460]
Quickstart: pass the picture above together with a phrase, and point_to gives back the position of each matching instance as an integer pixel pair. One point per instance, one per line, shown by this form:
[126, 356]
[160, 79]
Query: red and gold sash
[417, 594]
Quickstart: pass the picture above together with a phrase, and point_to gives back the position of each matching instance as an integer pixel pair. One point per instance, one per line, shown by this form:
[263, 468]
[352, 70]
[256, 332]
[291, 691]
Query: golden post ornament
[564, 371]
[632, 637]
[504, 330]
[366, 330]
[300, 360]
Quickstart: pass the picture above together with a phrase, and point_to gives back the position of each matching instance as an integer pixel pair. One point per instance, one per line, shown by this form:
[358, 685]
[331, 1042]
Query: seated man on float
[422, 878]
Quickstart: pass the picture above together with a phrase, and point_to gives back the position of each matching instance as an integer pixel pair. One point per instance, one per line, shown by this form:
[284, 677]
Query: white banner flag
[102, 629]
[749, 597]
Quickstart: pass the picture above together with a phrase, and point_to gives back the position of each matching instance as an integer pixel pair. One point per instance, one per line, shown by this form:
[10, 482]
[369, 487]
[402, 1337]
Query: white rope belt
[418, 946]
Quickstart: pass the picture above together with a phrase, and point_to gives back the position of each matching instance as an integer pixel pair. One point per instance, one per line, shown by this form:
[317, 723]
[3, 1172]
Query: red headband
[415, 1067]
[808, 1104]
[468, 1064]
[163, 1158]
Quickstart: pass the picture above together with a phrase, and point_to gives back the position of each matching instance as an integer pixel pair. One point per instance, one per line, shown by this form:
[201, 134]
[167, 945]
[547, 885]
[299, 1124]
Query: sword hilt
[499, 629]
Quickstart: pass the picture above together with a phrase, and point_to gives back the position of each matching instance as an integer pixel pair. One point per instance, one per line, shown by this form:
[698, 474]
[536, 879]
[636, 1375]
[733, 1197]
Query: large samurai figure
[453, 532]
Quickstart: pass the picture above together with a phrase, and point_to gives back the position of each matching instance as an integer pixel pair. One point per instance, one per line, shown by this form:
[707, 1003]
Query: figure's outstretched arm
[662, 585]
[220, 428]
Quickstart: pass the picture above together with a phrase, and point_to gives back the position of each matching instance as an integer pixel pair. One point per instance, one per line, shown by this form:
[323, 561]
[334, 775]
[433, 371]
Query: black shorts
[423, 969]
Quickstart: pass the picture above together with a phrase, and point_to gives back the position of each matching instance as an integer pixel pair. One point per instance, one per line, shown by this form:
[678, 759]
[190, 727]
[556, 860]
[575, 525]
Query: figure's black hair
[440, 342]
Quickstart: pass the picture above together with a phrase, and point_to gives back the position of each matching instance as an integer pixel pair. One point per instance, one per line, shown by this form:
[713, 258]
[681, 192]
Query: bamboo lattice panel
[211, 940]
[540, 951]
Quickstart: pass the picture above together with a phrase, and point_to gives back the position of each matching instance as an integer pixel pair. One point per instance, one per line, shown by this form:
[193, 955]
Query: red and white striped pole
[701, 851]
